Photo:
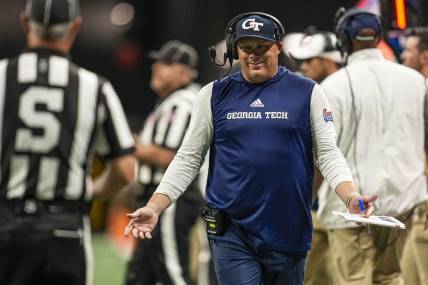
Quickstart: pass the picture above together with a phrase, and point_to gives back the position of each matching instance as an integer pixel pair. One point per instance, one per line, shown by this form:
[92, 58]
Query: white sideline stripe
[204, 255]
[3, 69]
[169, 246]
[87, 245]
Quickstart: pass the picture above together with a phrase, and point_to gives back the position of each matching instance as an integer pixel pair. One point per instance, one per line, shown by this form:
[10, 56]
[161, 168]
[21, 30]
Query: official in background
[379, 118]
[319, 57]
[262, 125]
[53, 116]
[415, 54]
[414, 262]
[165, 258]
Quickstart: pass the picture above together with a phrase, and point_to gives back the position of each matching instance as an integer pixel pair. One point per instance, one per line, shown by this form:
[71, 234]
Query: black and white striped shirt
[165, 127]
[53, 116]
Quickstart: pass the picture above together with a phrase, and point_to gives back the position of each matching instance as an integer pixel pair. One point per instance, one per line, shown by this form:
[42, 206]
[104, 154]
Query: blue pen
[361, 204]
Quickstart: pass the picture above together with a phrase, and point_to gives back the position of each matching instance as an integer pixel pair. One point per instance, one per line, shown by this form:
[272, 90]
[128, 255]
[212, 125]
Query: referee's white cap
[319, 44]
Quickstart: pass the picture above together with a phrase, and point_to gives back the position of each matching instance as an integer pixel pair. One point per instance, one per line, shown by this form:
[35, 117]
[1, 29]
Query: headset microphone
[339, 13]
[213, 54]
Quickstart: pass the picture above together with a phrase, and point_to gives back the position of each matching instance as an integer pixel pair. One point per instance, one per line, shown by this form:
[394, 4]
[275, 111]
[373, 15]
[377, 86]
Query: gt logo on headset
[251, 24]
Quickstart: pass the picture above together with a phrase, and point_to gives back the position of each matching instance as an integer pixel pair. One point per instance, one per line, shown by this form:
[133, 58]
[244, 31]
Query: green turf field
[109, 267]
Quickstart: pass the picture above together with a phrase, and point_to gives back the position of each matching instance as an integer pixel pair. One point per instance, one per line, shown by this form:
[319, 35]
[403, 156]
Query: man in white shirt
[319, 58]
[415, 255]
[378, 108]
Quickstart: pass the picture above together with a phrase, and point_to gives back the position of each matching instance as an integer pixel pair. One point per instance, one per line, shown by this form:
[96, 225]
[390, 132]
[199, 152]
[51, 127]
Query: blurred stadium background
[117, 35]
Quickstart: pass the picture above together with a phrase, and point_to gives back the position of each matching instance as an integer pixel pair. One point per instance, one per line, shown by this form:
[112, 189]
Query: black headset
[341, 19]
[229, 35]
[329, 44]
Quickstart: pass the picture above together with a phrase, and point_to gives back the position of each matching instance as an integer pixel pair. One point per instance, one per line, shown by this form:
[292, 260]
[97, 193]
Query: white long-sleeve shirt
[386, 156]
[191, 154]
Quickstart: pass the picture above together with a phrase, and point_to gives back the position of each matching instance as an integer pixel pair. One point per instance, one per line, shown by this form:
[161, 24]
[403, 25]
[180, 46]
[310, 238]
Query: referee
[165, 258]
[54, 115]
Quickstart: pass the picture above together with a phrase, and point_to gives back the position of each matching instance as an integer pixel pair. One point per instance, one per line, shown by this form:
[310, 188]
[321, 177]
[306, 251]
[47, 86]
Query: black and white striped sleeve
[113, 136]
[191, 154]
[177, 119]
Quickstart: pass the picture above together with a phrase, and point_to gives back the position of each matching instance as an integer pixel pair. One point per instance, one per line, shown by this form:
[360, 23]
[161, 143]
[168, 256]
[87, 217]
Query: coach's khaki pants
[318, 263]
[415, 256]
[368, 255]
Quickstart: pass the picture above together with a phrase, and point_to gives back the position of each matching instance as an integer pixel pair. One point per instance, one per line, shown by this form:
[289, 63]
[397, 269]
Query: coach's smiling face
[258, 58]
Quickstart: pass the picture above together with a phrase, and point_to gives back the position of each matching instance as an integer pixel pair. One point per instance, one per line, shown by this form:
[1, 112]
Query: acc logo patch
[251, 24]
[327, 115]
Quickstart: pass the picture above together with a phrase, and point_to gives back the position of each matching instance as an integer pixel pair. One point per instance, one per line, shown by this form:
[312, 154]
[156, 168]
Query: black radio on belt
[215, 219]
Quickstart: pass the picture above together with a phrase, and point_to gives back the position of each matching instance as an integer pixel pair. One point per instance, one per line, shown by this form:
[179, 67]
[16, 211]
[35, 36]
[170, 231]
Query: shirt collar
[47, 51]
[239, 77]
[365, 54]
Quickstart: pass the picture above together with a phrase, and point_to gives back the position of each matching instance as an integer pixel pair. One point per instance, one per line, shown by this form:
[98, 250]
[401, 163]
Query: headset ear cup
[339, 44]
[342, 38]
[346, 42]
[229, 40]
[235, 51]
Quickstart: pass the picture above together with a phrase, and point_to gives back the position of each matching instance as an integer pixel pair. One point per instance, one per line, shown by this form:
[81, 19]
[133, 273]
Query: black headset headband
[341, 18]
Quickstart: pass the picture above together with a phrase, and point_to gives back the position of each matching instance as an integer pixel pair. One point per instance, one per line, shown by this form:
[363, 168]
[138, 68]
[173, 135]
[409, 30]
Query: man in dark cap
[165, 258]
[379, 117]
[262, 124]
[54, 116]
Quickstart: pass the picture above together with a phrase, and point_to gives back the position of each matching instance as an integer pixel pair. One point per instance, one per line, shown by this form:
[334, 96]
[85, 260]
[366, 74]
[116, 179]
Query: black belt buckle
[215, 219]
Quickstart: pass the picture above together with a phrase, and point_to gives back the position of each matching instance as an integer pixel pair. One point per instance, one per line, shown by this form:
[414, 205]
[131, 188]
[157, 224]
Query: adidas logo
[257, 103]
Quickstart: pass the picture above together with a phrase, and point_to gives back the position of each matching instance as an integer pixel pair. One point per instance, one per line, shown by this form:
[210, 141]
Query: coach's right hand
[142, 223]
[144, 220]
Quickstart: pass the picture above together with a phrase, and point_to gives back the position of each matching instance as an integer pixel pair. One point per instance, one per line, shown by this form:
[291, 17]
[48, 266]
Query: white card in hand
[384, 221]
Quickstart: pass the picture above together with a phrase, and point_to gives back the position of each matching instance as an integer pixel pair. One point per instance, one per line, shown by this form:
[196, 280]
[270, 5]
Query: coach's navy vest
[261, 163]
